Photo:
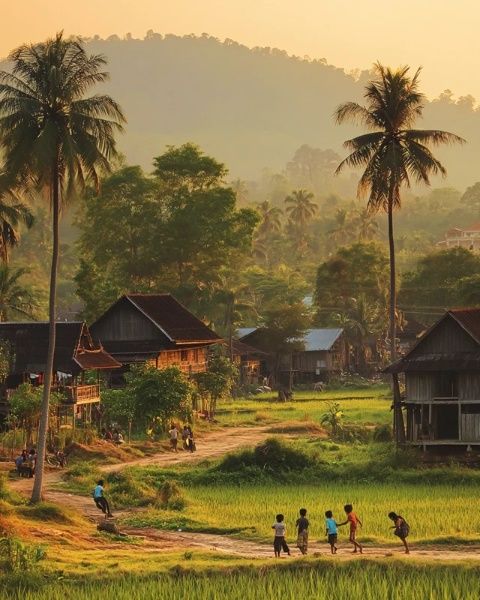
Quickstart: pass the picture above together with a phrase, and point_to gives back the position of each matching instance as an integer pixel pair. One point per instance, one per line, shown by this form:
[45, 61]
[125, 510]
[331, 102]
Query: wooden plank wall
[125, 323]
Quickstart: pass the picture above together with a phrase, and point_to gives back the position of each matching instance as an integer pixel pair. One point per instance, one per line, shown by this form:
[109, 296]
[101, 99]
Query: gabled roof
[175, 321]
[469, 320]
[321, 339]
[315, 340]
[74, 349]
[242, 349]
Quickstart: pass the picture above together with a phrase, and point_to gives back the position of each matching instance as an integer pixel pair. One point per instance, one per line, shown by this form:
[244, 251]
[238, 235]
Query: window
[184, 355]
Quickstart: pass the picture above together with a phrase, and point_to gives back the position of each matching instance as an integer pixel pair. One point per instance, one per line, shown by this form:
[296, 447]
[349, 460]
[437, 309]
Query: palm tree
[53, 137]
[392, 153]
[12, 214]
[270, 219]
[342, 229]
[241, 191]
[367, 225]
[300, 207]
[15, 298]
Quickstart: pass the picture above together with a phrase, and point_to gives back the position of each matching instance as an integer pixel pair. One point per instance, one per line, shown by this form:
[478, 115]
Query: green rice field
[435, 513]
[353, 581]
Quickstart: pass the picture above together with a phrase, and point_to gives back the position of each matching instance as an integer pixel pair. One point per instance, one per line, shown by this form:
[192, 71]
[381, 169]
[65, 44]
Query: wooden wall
[125, 323]
[419, 386]
[192, 360]
[447, 337]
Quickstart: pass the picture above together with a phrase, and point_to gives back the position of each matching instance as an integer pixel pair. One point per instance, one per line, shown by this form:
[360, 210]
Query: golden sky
[441, 35]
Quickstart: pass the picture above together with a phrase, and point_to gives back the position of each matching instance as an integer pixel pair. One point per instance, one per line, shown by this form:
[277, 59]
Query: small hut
[442, 382]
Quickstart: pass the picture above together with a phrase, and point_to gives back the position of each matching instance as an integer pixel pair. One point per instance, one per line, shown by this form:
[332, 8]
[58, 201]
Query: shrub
[17, 556]
[383, 433]
[170, 497]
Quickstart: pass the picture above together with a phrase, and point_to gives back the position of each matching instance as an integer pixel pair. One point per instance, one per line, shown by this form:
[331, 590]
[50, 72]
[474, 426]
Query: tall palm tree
[15, 298]
[367, 225]
[270, 219]
[300, 207]
[54, 137]
[392, 154]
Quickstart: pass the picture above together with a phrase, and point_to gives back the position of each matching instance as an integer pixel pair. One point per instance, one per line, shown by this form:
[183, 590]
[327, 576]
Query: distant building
[251, 363]
[458, 237]
[154, 329]
[325, 353]
[75, 353]
[442, 380]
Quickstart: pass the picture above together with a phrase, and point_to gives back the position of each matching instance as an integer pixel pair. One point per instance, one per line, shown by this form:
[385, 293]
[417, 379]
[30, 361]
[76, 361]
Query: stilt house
[75, 353]
[442, 382]
[154, 329]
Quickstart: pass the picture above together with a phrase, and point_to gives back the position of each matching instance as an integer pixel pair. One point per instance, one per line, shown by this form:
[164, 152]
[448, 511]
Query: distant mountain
[250, 108]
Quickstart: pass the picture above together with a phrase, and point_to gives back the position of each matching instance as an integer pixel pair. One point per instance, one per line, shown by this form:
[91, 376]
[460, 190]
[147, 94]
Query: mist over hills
[251, 108]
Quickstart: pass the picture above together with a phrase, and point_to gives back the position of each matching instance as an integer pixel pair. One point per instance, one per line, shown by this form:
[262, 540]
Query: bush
[383, 433]
[17, 556]
[170, 497]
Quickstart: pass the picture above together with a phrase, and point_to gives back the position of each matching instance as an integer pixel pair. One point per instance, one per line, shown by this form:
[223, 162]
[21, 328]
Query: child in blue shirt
[100, 500]
[332, 531]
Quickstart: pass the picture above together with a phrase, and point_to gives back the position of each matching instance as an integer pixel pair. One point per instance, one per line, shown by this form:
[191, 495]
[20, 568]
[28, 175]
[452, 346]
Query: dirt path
[214, 445]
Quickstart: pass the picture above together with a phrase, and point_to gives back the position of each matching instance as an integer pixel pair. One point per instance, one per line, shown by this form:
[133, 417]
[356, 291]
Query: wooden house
[75, 353]
[324, 353]
[154, 329]
[442, 382]
[251, 363]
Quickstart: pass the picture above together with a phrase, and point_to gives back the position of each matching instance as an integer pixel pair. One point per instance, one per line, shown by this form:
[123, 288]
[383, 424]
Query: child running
[100, 500]
[302, 527]
[279, 542]
[354, 522]
[402, 529]
[332, 531]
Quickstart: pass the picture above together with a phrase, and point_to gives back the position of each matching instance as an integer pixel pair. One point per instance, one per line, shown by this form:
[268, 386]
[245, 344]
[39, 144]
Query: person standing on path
[332, 531]
[279, 542]
[173, 437]
[302, 529]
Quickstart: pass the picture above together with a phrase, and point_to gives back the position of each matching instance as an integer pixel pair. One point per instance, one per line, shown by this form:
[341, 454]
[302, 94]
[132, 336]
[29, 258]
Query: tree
[216, 382]
[343, 227]
[120, 405]
[300, 207]
[55, 138]
[26, 406]
[12, 214]
[471, 197]
[392, 153]
[15, 298]
[159, 394]
[366, 224]
[440, 280]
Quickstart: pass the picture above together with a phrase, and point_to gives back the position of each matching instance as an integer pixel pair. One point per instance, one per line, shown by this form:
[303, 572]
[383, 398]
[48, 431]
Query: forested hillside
[252, 107]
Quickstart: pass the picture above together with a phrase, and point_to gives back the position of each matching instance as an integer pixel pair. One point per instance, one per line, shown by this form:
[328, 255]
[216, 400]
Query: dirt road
[214, 445]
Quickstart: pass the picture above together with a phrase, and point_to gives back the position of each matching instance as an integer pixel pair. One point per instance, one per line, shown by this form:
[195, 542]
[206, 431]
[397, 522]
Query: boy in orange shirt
[354, 522]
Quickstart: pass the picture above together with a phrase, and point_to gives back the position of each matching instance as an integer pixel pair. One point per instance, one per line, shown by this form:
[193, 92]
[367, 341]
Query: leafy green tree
[16, 299]
[159, 394]
[120, 405]
[54, 137]
[216, 382]
[26, 406]
[359, 269]
[471, 197]
[442, 279]
[392, 152]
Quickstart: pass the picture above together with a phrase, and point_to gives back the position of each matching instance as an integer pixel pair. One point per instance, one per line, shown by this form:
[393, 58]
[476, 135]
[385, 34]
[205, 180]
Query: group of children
[188, 440]
[401, 530]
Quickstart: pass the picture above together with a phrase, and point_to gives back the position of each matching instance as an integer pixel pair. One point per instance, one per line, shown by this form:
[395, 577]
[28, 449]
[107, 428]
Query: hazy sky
[440, 35]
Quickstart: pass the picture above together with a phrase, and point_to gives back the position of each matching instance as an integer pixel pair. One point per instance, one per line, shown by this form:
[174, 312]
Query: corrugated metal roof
[243, 331]
[321, 339]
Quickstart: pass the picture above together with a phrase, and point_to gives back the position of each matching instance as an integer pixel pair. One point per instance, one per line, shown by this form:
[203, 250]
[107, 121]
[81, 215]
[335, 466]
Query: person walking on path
[401, 529]
[173, 437]
[302, 529]
[279, 542]
[100, 501]
[332, 531]
[354, 522]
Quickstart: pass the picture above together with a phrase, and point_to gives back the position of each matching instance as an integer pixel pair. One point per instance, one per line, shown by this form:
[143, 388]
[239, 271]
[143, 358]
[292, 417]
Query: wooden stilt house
[75, 354]
[442, 382]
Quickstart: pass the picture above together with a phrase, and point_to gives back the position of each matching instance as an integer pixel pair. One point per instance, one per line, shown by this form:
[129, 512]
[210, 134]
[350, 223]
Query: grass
[353, 581]
[362, 407]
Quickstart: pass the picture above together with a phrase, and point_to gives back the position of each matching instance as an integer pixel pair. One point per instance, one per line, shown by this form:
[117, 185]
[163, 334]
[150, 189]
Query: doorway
[446, 422]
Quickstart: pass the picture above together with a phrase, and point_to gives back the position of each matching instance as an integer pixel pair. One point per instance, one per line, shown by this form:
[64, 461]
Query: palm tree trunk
[398, 425]
[43, 426]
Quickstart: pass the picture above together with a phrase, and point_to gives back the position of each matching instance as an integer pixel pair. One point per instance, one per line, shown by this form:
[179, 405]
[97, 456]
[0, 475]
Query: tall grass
[353, 581]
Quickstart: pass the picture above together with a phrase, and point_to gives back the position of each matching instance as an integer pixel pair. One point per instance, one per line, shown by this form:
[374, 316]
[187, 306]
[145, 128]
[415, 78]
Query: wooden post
[399, 427]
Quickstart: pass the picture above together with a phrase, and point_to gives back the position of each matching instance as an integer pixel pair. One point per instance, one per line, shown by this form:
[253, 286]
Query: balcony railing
[79, 394]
